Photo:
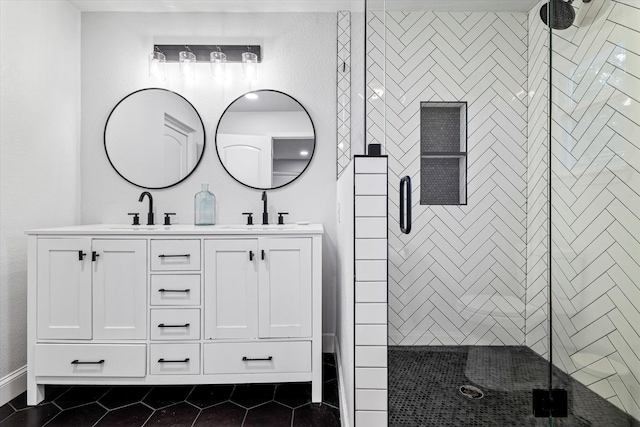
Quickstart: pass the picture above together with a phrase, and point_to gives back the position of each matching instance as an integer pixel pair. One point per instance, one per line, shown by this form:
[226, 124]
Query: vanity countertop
[181, 229]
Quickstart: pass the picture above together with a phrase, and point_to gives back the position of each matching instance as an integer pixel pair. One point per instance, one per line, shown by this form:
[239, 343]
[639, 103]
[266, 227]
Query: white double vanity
[124, 305]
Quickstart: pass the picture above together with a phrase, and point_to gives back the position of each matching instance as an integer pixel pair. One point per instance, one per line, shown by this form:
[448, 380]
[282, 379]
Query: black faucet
[265, 215]
[150, 214]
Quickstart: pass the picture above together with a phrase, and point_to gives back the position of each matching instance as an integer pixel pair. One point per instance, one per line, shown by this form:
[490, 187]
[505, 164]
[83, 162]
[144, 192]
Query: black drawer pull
[174, 290]
[174, 256]
[263, 254]
[266, 359]
[162, 325]
[186, 360]
[94, 256]
[81, 255]
[77, 362]
[250, 255]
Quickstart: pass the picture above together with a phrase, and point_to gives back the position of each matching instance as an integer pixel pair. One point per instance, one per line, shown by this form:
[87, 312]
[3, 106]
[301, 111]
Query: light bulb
[157, 62]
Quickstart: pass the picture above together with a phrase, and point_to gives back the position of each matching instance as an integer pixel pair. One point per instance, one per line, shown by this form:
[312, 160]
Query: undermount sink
[135, 227]
[258, 227]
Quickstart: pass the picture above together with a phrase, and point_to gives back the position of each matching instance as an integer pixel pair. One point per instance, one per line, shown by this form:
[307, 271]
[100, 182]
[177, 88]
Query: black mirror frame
[312, 127]
[204, 139]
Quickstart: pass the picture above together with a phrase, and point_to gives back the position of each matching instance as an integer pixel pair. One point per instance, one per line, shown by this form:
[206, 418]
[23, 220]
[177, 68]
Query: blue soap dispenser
[204, 207]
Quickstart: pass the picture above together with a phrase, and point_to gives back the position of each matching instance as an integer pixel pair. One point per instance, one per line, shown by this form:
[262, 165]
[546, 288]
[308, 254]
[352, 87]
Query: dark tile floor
[424, 389]
[264, 405]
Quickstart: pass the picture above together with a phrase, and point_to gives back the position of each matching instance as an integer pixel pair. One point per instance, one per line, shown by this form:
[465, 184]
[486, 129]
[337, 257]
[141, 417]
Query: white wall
[39, 151]
[299, 59]
[345, 303]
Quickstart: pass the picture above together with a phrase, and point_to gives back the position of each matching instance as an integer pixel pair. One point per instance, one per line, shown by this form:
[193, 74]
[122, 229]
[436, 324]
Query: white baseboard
[13, 384]
[327, 343]
[342, 392]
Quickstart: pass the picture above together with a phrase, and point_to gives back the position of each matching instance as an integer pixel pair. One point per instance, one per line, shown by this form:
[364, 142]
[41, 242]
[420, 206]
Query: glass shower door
[448, 97]
[595, 200]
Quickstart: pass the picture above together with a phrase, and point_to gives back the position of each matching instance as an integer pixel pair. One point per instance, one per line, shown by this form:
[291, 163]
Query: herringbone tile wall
[596, 200]
[459, 277]
[477, 274]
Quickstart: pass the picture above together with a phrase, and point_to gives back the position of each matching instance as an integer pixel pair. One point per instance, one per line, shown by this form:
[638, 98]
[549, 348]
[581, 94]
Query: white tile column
[370, 291]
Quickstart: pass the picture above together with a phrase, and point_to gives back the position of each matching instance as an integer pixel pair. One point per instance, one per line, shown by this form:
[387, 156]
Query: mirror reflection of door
[247, 156]
[179, 150]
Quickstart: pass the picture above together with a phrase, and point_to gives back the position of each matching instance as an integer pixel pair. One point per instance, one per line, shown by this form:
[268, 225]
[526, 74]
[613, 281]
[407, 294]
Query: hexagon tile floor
[246, 405]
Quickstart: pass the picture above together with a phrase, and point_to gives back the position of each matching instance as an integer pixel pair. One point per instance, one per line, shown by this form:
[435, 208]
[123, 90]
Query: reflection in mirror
[265, 139]
[154, 138]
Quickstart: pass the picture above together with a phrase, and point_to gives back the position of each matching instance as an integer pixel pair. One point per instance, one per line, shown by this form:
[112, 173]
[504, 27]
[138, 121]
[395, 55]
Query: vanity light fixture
[216, 55]
[157, 62]
[218, 62]
[187, 60]
[250, 64]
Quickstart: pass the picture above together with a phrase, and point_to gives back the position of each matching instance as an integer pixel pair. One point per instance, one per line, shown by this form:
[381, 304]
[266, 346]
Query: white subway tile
[371, 165]
[371, 356]
[371, 292]
[371, 249]
[372, 400]
[371, 418]
[371, 228]
[371, 184]
[371, 271]
[371, 313]
[371, 378]
[371, 335]
[371, 206]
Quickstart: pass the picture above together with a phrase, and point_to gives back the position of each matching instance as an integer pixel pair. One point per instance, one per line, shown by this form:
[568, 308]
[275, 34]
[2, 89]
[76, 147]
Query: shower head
[563, 14]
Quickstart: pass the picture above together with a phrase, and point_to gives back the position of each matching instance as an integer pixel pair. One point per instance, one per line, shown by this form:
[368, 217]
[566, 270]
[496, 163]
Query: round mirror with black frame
[265, 139]
[154, 138]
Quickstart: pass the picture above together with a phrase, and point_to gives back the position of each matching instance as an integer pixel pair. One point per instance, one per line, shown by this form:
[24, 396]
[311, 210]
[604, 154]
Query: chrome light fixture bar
[203, 52]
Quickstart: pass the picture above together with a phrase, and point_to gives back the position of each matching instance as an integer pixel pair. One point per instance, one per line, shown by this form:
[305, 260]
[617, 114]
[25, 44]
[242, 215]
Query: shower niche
[443, 153]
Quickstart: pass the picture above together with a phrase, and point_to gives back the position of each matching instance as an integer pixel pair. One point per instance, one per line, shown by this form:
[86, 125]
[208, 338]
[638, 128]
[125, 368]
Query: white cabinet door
[119, 289]
[284, 293]
[64, 289]
[230, 288]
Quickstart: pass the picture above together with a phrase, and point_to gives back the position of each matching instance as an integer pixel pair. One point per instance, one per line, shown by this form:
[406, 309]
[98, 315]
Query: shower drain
[471, 392]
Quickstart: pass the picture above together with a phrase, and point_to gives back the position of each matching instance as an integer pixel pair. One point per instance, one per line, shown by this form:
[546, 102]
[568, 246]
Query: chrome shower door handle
[405, 199]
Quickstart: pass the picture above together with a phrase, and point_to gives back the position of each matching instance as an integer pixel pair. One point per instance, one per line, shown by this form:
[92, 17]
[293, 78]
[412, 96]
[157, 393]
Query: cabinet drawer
[90, 360]
[174, 359]
[175, 289]
[259, 357]
[175, 255]
[178, 324]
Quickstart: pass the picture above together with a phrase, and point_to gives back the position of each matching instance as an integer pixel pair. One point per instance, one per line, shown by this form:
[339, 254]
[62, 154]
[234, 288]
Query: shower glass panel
[458, 280]
[469, 286]
[595, 208]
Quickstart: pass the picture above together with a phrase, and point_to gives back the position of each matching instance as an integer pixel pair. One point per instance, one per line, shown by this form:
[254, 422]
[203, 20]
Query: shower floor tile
[424, 391]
